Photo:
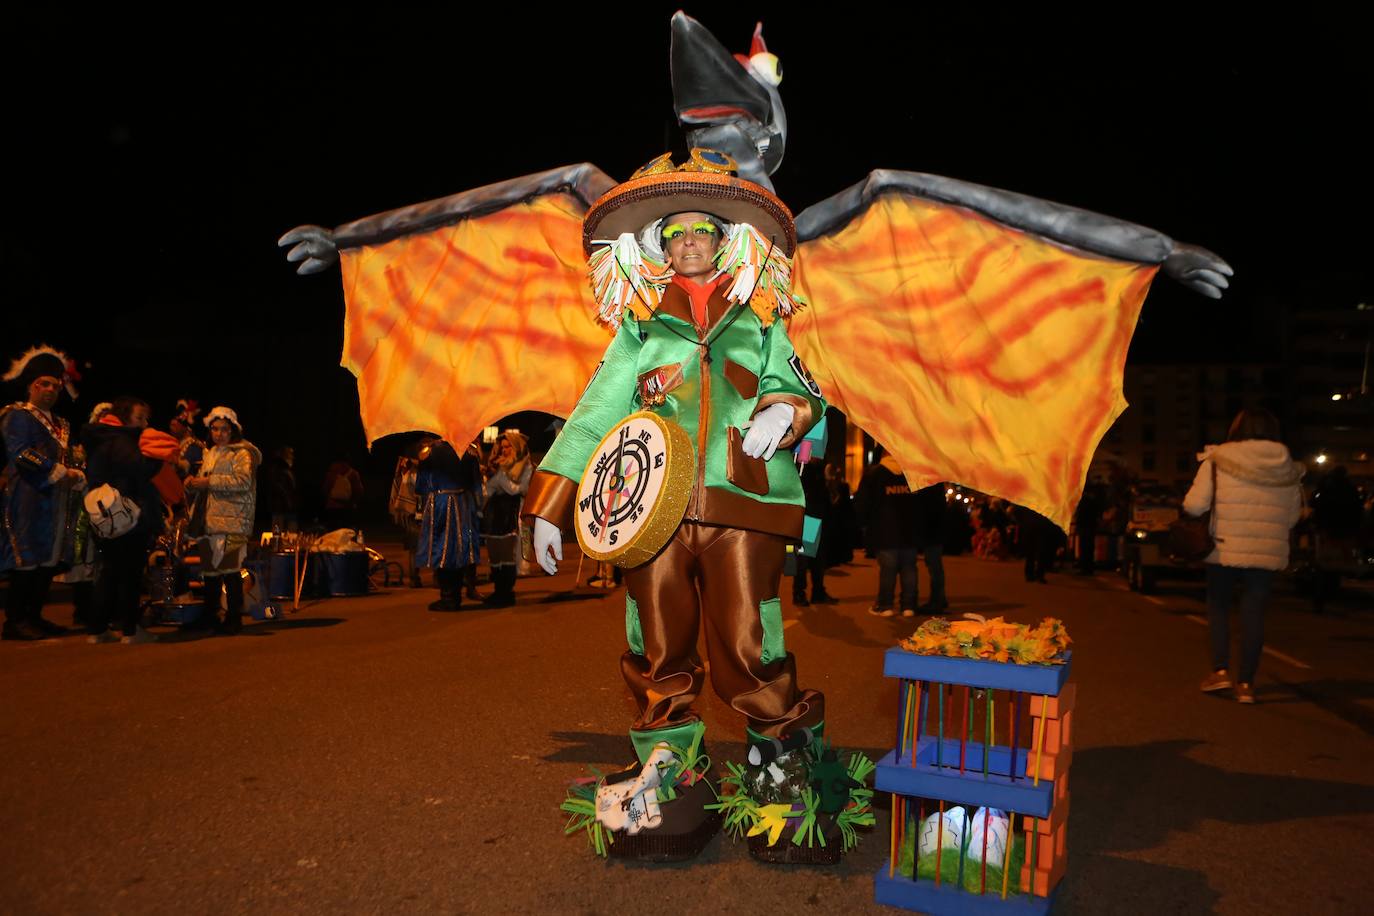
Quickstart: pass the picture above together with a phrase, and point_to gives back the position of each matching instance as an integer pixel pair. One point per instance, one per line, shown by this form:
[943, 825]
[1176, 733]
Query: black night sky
[154, 163]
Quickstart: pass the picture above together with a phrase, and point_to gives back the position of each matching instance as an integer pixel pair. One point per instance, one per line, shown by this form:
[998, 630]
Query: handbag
[1189, 539]
[111, 514]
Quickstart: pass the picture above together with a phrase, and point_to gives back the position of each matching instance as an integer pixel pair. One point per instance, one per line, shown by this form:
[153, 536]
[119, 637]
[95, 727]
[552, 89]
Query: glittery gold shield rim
[665, 515]
[631, 206]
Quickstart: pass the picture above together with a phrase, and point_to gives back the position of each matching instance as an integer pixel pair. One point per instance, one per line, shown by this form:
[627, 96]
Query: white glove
[547, 539]
[767, 429]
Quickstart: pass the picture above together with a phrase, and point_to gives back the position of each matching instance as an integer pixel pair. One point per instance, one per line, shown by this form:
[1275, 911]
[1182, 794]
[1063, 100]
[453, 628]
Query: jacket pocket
[745, 382]
[749, 474]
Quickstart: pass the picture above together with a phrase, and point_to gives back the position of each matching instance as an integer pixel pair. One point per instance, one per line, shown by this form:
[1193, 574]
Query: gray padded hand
[314, 246]
[1198, 269]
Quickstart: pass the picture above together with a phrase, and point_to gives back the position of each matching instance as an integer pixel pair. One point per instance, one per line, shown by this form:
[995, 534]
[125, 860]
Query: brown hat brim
[631, 206]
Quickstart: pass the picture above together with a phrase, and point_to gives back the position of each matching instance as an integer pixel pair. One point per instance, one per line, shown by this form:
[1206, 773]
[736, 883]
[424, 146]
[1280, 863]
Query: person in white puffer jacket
[1255, 504]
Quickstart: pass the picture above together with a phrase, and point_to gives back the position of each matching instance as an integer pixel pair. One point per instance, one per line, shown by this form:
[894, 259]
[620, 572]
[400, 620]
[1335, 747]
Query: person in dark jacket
[37, 530]
[114, 457]
[283, 499]
[839, 541]
[343, 494]
[930, 530]
[818, 506]
[888, 508]
[1086, 519]
[1039, 539]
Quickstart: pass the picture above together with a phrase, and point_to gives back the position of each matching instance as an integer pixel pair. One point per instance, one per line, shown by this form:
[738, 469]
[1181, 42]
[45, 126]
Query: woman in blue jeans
[1255, 502]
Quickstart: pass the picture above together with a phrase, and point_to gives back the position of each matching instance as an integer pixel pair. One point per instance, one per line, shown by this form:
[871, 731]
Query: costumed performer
[226, 494]
[703, 348]
[38, 530]
[190, 450]
[447, 541]
[503, 494]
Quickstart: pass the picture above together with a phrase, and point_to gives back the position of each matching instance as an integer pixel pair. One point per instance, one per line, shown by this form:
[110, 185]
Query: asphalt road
[367, 755]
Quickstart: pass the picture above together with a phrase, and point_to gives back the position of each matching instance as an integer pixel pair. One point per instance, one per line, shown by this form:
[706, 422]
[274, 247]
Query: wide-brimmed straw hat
[706, 183]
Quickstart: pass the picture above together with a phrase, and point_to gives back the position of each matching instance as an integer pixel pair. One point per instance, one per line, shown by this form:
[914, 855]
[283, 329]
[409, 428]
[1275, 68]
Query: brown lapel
[675, 302]
[717, 307]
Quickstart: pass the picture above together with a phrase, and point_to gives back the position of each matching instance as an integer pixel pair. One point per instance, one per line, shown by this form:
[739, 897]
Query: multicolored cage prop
[979, 784]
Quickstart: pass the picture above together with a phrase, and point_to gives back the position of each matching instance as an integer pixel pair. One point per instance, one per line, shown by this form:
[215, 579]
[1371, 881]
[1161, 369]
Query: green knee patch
[633, 634]
[770, 615]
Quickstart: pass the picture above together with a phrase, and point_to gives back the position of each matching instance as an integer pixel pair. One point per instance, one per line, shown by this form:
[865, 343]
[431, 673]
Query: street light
[1336, 396]
[1321, 459]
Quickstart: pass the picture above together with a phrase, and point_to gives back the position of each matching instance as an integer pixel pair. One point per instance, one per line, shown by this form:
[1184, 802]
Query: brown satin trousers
[719, 577]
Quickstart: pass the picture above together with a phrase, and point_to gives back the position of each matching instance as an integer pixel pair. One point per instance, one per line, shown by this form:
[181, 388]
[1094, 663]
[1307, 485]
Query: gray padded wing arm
[1196, 268]
[318, 247]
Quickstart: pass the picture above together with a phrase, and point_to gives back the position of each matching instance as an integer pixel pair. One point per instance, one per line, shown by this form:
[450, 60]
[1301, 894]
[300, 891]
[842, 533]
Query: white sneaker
[104, 636]
[140, 637]
[885, 612]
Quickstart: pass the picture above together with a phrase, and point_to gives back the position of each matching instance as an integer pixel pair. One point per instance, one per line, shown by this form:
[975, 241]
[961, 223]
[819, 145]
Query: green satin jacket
[660, 364]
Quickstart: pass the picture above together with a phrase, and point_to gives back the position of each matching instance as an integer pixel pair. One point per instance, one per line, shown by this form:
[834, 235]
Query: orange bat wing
[451, 329]
[974, 352]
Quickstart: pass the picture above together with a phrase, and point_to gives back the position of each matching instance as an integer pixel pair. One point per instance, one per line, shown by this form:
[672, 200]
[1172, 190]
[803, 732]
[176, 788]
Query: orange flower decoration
[995, 640]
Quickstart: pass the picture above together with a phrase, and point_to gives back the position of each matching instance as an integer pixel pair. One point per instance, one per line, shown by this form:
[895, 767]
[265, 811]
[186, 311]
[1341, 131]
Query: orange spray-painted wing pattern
[974, 352]
[452, 329]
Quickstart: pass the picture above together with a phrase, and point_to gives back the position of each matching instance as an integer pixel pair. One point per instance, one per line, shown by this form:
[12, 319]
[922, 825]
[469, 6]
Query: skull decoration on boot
[633, 805]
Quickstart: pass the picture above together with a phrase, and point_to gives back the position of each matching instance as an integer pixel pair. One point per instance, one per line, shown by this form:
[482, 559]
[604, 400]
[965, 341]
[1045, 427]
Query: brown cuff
[802, 417]
[551, 497]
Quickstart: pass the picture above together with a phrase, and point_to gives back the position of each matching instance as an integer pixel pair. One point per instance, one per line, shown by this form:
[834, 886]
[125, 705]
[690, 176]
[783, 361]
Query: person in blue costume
[446, 488]
[37, 530]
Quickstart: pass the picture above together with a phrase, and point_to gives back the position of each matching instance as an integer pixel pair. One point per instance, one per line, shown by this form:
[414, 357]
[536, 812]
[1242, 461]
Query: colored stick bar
[964, 721]
[901, 712]
[1006, 856]
[1040, 738]
[892, 859]
[939, 841]
[987, 735]
[963, 844]
[983, 885]
[1015, 731]
[916, 726]
[940, 748]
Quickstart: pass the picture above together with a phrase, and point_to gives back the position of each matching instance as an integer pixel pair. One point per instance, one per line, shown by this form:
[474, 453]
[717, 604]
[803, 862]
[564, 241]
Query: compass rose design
[634, 489]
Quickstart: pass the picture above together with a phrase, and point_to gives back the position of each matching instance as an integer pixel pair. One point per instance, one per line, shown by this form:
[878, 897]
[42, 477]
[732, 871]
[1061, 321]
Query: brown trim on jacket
[802, 418]
[551, 497]
[734, 510]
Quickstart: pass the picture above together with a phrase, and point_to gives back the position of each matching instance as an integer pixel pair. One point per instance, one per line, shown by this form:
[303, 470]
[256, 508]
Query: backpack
[111, 514]
[341, 490]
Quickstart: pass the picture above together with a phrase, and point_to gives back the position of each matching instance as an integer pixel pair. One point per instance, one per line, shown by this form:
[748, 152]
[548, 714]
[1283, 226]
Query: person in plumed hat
[36, 529]
[225, 493]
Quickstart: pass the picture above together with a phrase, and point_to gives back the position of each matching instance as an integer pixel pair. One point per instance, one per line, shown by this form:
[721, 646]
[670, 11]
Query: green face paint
[677, 230]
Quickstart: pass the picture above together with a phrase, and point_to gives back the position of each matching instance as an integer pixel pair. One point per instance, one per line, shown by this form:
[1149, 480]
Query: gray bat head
[729, 102]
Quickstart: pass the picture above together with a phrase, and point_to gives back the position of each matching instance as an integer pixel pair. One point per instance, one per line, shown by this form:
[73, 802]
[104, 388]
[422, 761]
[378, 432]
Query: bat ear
[757, 46]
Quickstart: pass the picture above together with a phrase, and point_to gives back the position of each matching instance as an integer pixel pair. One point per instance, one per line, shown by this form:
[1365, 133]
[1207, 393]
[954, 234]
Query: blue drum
[280, 570]
[344, 574]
